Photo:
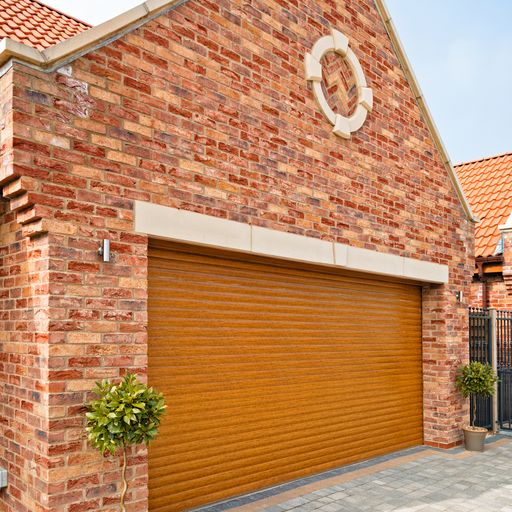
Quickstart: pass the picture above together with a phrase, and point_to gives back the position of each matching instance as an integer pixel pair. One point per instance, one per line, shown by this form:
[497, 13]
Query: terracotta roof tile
[487, 184]
[36, 24]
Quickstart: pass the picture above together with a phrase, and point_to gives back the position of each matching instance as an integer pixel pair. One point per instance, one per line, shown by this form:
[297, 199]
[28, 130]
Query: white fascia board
[184, 226]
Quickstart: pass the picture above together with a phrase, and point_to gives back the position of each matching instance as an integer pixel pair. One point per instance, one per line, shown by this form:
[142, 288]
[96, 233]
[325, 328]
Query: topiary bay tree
[476, 379]
[124, 414]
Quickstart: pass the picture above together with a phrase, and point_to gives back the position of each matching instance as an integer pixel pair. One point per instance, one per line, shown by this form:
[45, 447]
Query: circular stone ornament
[338, 43]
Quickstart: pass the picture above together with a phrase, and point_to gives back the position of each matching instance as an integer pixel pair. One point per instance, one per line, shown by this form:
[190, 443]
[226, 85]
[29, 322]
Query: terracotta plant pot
[474, 438]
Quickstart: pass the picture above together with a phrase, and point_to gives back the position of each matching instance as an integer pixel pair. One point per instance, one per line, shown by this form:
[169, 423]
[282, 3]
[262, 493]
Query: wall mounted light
[104, 250]
[3, 478]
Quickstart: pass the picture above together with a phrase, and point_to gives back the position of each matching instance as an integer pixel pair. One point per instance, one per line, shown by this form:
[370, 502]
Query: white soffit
[185, 226]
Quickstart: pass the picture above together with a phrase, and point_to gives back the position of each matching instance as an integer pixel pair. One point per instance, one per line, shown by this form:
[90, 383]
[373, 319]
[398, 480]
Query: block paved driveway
[417, 480]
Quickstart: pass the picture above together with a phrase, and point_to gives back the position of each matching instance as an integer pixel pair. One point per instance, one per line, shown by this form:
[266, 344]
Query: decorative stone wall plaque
[338, 43]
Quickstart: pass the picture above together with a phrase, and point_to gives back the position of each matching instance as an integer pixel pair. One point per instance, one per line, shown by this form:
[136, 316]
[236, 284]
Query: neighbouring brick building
[291, 287]
[488, 184]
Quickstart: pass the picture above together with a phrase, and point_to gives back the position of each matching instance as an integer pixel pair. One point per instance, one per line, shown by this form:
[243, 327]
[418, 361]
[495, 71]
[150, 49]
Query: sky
[460, 51]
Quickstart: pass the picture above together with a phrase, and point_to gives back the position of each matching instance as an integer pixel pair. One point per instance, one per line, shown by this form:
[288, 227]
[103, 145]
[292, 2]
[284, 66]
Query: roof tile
[487, 184]
[36, 24]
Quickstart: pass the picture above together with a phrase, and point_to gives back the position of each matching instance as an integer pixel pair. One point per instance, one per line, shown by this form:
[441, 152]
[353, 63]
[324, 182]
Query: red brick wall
[497, 294]
[499, 284]
[206, 108]
[475, 298]
[23, 342]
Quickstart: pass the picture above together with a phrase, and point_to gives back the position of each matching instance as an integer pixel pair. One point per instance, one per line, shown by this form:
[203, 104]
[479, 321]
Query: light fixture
[104, 250]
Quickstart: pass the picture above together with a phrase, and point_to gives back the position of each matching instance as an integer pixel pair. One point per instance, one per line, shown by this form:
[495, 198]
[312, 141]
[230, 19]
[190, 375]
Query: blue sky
[460, 50]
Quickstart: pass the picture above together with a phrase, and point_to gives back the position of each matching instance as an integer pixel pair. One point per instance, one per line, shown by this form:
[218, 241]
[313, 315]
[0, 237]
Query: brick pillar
[97, 330]
[445, 348]
[24, 338]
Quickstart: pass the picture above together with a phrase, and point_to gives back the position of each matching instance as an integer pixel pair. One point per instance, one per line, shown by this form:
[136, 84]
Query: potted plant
[475, 380]
[127, 413]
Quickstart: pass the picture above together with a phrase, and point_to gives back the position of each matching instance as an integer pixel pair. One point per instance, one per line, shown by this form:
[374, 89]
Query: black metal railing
[480, 349]
[504, 366]
[484, 325]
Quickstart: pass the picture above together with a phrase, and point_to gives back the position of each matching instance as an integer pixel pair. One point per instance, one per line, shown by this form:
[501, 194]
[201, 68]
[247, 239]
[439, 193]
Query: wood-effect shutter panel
[272, 373]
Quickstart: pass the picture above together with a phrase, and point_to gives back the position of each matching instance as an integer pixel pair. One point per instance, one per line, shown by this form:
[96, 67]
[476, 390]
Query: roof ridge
[62, 13]
[483, 159]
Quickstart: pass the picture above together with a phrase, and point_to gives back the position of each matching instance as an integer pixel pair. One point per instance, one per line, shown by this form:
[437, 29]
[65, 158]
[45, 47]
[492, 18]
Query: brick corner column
[445, 348]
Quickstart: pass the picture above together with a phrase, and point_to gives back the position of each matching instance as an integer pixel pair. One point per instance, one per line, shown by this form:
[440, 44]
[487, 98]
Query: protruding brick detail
[507, 281]
[205, 108]
[18, 184]
[22, 201]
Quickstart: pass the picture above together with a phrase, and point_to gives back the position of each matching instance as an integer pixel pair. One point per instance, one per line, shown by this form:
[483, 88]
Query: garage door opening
[274, 371]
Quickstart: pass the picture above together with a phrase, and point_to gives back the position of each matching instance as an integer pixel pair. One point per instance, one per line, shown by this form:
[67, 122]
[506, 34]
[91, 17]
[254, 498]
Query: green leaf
[127, 412]
[476, 379]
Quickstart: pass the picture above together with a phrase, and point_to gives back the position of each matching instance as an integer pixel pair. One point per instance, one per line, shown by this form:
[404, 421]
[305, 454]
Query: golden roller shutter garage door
[274, 372]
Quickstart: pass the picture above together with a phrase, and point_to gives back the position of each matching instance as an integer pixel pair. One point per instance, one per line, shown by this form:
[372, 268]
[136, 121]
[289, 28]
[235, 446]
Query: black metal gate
[504, 357]
[484, 326]
[480, 349]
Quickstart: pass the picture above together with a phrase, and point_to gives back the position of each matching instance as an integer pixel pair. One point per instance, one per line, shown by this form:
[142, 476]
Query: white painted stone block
[313, 68]
[340, 42]
[366, 98]
[357, 119]
[342, 127]
[425, 271]
[340, 255]
[288, 245]
[171, 223]
[365, 260]
[322, 46]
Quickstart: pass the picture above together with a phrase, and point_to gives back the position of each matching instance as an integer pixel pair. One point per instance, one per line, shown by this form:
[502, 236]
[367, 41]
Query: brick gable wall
[204, 108]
